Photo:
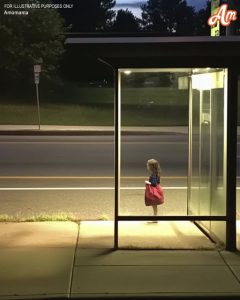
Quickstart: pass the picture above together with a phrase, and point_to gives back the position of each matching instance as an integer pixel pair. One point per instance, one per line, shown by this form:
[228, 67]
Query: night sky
[134, 5]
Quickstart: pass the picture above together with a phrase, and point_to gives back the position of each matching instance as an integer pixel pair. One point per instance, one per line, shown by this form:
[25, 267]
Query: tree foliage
[234, 28]
[201, 21]
[125, 22]
[168, 17]
[25, 40]
[89, 15]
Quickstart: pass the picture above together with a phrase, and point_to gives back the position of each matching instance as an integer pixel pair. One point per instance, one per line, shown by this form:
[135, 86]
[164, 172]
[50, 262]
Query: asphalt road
[81, 157]
[53, 174]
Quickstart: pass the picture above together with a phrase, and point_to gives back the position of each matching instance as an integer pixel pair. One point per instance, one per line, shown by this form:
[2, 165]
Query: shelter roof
[154, 51]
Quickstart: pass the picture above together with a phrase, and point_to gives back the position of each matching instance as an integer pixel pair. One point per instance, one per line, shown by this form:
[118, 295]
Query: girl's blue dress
[154, 180]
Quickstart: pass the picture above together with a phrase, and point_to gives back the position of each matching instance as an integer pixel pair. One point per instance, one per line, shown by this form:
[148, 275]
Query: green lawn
[95, 107]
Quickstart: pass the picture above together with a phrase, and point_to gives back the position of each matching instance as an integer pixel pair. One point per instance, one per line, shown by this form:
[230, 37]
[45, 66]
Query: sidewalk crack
[73, 263]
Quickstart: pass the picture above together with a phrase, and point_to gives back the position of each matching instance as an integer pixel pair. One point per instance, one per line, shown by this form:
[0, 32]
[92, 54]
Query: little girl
[153, 167]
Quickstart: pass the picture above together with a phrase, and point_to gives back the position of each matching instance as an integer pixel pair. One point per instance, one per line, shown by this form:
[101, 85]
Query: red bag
[153, 195]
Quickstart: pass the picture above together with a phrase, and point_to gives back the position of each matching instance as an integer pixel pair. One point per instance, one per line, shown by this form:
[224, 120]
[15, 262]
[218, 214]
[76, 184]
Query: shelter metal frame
[230, 217]
[144, 51]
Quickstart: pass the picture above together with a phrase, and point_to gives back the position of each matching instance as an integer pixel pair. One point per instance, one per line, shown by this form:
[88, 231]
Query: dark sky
[134, 5]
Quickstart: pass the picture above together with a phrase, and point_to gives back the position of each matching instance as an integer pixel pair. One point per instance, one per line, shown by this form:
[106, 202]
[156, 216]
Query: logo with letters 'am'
[223, 15]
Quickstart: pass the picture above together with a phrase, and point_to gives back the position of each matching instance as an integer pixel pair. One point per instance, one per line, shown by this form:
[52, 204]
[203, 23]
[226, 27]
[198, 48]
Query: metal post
[116, 153]
[38, 106]
[190, 117]
[117, 121]
[231, 159]
[37, 68]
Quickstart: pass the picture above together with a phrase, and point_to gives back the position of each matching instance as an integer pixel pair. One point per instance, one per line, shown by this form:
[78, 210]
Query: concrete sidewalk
[64, 260]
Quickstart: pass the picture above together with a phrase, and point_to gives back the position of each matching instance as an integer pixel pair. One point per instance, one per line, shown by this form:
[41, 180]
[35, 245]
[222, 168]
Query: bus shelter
[208, 69]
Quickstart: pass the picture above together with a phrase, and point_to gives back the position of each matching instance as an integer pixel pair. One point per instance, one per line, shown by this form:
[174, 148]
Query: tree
[201, 21]
[234, 27]
[168, 17]
[125, 22]
[89, 15]
[27, 40]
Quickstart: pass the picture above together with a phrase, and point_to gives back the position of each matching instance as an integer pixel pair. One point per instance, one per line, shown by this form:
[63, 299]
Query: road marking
[56, 143]
[56, 177]
[83, 188]
[87, 177]
[94, 143]
[87, 188]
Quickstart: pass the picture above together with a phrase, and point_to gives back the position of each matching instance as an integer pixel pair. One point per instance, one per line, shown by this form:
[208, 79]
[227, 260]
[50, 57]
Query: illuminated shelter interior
[208, 69]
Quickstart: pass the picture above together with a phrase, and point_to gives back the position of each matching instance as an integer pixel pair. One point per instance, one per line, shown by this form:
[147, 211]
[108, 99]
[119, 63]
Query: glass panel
[217, 230]
[154, 124]
[206, 182]
[205, 153]
[218, 191]
[154, 118]
[193, 192]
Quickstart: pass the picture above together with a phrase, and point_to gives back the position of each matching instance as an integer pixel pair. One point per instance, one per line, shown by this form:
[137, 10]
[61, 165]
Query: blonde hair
[154, 167]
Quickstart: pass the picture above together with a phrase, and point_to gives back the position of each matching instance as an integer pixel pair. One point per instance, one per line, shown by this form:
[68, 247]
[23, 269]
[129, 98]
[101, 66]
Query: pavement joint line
[229, 267]
[82, 188]
[73, 263]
